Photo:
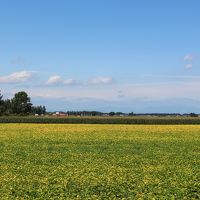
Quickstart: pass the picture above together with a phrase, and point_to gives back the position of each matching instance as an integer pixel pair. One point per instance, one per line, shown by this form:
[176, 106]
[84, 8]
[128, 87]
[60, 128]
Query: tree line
[20, 104]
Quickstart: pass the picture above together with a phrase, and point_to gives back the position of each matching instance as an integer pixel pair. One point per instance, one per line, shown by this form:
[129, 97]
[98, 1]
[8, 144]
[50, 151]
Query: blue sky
[107, 55]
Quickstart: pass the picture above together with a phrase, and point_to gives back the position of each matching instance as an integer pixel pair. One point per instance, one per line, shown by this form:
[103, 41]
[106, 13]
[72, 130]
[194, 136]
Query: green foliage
[111, 113]
[7, 107]
[193, 115]
[101, 120]
[99, 161]
[40, 110]
[21, 103]
[2, 108]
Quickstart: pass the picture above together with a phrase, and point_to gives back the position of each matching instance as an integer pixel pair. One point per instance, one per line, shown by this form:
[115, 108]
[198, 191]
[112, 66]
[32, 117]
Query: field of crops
[101, 120]
[79, 161]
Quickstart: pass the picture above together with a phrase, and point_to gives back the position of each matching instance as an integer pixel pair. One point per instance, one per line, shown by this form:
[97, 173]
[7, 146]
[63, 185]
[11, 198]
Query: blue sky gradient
[108, 55]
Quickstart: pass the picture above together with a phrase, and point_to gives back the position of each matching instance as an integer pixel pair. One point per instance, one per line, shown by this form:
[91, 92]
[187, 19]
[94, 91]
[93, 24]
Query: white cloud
[57, 80]
[69, 82]
[189, 57]
[54, 80]
[188, 66]
[101, 80]
[130, 91]
[17, 77]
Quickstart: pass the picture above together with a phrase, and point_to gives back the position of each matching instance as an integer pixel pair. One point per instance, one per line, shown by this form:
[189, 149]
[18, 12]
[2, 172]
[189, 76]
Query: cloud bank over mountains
[149, 97]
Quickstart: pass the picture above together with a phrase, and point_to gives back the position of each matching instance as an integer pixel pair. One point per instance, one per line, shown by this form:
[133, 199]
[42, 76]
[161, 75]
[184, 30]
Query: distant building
[60, 114]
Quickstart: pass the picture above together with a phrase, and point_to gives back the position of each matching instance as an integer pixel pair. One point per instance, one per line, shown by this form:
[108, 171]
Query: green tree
[7, 106]
[21, 103]
[38, 110]
[193, 115]
[111, 113]
[43, 110]
[2, 108]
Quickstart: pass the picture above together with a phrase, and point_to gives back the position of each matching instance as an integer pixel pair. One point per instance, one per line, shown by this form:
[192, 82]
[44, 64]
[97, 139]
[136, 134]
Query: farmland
[100, 120]
[84, 161]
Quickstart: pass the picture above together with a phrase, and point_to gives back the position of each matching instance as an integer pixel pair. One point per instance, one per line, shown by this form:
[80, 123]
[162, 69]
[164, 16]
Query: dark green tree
[193, 115]
[43, 110]
[2, 107]
[7, 106]
[38, 110]
[111, 113]
[21, 103]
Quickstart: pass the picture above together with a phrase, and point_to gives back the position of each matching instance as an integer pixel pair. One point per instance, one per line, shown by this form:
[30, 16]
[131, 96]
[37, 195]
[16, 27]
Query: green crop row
[101, 120]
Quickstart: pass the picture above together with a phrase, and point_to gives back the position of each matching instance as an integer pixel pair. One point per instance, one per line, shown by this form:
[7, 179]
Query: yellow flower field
[55, 161]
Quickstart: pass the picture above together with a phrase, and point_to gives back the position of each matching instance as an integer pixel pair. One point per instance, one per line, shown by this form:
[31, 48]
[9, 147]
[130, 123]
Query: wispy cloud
[57, 80]
[189, 57]
[54, 80]
[100, 81]
[17, 77]
[127, 91]
[171, 76]
[69, 82]
[188, 66]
